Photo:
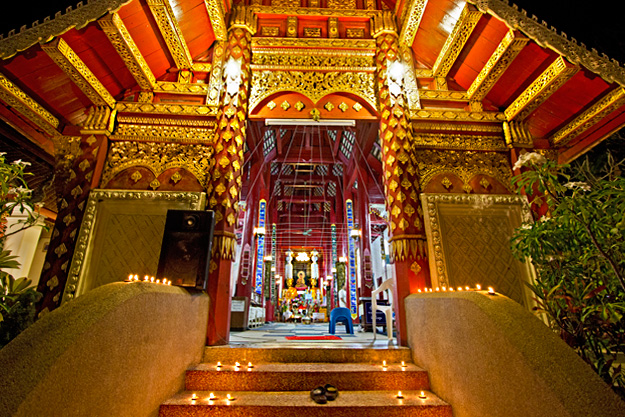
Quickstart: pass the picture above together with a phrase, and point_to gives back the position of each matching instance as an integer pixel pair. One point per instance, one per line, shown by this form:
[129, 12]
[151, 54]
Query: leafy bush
[578, 251]
[17, 299]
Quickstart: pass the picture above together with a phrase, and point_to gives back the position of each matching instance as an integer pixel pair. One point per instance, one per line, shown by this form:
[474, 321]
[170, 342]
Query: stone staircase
[280, 381]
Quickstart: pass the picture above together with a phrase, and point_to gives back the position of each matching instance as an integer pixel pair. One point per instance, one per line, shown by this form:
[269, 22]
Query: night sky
[598, 24]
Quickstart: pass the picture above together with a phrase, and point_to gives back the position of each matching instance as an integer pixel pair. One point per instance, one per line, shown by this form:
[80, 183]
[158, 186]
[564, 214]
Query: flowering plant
[17, 298]
[578, 250]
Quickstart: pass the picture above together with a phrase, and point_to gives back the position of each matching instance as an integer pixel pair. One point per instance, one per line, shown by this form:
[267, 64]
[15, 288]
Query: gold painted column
[225, 187]
[79, 163]
[401, 185]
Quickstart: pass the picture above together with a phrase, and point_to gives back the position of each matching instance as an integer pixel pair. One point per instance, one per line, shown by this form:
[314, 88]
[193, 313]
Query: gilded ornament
[329, 106]
[299, 106]
[165, 108]
[78, 72]
[291, 26]
[285, 105]
[333, 27]
[136, 176]
[231, 219]
[341, 4]
[171, 32]
[312, 32]
[272, 105]
[456, 40]
[343, 107]
[446, 182]
[411, 19]
[355, 33]
[415, 268]
[403, 224]
[220, 188]
[186, 88]
[176, 177]
[357, 107]
[155, 184]
[273, 31]
[76, 191]
[315, 114]
[27, 106]
[405, 183]
[484, 183]
[53, 283]
[60, 250]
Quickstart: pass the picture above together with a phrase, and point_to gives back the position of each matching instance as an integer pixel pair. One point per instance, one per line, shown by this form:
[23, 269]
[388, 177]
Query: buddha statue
[313, 288]
[301, 281]
[290, 293]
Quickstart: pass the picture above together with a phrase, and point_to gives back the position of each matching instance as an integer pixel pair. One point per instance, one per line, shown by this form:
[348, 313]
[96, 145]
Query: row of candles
[135, 278]
[212, 397]
[478, 287]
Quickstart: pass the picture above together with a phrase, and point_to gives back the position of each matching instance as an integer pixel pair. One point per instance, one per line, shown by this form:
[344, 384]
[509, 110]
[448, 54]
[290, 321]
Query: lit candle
[437, 289]
[218, 365]
[146, 278]
[229, 398]
[158, 281]
[249, 365]
[491, 290]
[422, 395]
[130, 277]
[478, 287]
[193, 397]
[384, 363]
[403, 364]
[451, 289]
[459, 288]
[467, 288]
[136, 277]
[151, 279]
[399, 395]
[445, 289]
[419, 290]
[211, 396]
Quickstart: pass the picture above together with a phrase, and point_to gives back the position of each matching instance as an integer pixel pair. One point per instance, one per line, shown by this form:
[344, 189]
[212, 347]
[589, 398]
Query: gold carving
[285, 3]
[158, 157]
[545, 37]
[60, 250]
[446, 182]
[312, 32]
[313, 11]
[155, 184]
[485, 183]
[304, 59]
[27, 106]
[315, 114]
[125, 46]
[269, 31]
[370, 4]
[558, 73]
[465, 165]
[285, 105]
[357, 107]
[216, 15]
[272, 105]
[455, 128]
[341, 4]
[216, 81]
[317, 43]
[299, 106]
[201, 67]
[314, 85]
[459, 115]
[169, 109]
[333, 27]
[383, 23]
[499, 61]
[100, 120]
[181, 88]
[313, 3]
[328, 106]
[411, 89]
[444, 95]
[343, 107]
[608, 103]
[171, 33]
[163, 121]
[78, 72]
[459, 142]
[517, 135]
[160, 133]
[456, 40]
[244, 18]
[355, 33]
[410, 20]
[291, 27]
[136, 176]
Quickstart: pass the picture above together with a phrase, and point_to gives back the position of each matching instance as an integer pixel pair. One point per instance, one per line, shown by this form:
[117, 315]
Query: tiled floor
[274, 335]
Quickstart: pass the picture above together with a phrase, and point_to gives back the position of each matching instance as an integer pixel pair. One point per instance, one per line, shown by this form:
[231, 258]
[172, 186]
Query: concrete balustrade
[119, 350]
[488, 356]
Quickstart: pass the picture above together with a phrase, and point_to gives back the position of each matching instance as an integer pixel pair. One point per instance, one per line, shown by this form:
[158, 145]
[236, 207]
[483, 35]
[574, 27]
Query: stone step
[243, 355]
[306, 376]
[299, 403]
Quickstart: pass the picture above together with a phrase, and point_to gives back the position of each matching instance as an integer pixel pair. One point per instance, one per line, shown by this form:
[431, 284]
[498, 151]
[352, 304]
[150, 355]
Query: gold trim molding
[312, 11]
[313, 43]
[510, 46]
[181, 88]
[167, 109]
[163, 133]
[27, 106]
[171, 33]
[194, 200]
[78, 72]
[610, 102]
[445, 95]
[456, 40]
[459, 142]
[554, 77]
[410, 21]
[459, 116]
[312, 84]
[127, 49]
[216, 14]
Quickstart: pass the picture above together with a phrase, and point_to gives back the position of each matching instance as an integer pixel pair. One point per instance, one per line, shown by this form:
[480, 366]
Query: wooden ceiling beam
[456, 40]
[78, 72]
[171, 33]
[499, 61]
[216, 14]
[554, 77]
[410, 21]
[589, 118]
[29, 108]
[114, 28]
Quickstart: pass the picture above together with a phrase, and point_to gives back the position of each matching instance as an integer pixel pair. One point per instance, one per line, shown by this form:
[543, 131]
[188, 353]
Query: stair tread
[309, 367]
[302, 398]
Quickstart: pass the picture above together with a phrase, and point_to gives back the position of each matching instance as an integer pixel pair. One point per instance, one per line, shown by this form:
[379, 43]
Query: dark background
[598, 24]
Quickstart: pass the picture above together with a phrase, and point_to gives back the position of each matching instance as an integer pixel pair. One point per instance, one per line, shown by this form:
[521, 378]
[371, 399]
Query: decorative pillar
[224, 190]
[351, 259]
[365, 240]
[79, 163]
[401, 186]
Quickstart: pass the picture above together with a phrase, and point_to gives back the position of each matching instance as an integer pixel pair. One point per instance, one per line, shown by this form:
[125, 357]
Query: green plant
[578, 251]
[17, 298]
